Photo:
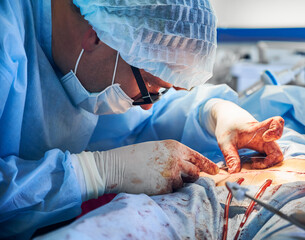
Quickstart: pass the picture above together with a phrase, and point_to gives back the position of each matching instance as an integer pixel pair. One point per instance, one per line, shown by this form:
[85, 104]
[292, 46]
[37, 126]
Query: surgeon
[79, 111]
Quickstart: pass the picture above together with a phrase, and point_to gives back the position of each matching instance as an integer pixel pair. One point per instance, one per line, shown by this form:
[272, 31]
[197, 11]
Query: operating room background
[254, 36]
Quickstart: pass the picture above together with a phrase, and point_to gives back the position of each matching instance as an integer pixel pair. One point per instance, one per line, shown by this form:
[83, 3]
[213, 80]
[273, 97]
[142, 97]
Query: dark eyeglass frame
[147, 98]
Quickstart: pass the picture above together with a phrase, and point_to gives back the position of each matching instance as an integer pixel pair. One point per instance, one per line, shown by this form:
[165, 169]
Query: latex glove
[152, 167]
[235, 129]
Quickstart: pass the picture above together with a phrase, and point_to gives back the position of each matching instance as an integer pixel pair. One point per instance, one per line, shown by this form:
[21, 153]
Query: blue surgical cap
[174, 40]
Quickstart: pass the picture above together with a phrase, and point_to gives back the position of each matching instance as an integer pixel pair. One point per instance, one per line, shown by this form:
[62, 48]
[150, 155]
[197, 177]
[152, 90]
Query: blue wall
[258, 34]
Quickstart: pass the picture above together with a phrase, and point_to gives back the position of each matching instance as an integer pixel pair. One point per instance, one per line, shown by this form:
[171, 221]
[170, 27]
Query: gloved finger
[231, 156]
[189, 172]
[204, 164]
[275, 130]
[274, 156]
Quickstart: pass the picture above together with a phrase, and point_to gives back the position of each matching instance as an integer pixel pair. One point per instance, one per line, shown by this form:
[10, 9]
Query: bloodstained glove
[152, 167]
[235, 129]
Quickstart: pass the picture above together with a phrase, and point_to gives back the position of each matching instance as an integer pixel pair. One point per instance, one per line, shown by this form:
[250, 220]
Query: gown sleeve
[36, 193]
[33, 192]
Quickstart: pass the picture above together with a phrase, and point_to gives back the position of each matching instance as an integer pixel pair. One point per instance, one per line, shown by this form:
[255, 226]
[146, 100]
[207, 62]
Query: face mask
[112, 100]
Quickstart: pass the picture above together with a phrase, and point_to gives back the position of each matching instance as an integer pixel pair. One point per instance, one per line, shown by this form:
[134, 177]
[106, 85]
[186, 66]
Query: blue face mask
[112, 100]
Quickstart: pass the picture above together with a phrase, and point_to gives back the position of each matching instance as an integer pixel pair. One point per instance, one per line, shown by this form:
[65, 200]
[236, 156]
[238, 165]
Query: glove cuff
[205, 116]
[95, 183]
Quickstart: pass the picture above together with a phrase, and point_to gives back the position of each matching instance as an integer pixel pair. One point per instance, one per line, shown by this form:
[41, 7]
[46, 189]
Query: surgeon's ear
[90, 41]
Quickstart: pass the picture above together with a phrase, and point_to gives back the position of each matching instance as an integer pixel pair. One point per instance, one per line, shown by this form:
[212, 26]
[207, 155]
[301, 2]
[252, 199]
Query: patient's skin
[290, 170]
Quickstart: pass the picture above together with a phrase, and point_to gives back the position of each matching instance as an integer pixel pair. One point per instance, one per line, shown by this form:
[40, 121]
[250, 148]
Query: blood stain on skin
[301, 173]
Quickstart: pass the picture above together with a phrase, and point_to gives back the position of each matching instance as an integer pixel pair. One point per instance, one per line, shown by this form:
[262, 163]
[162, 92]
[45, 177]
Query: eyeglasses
[147, 98]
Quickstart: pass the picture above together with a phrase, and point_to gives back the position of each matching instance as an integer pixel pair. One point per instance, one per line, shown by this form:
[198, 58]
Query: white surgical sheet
[193, 212]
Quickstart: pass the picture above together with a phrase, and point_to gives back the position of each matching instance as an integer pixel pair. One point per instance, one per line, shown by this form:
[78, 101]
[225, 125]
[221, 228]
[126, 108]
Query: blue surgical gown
[40, 127]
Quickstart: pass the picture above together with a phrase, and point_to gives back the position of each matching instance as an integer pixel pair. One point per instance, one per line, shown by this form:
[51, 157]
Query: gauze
[172, 40]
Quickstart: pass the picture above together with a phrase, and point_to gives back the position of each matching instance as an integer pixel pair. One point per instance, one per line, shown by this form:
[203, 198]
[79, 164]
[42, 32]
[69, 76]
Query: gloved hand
[151, 167]
[235, 129]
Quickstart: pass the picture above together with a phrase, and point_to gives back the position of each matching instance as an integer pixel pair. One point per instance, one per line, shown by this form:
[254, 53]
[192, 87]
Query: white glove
[235, 129]
[226, 114]
[151, 167]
